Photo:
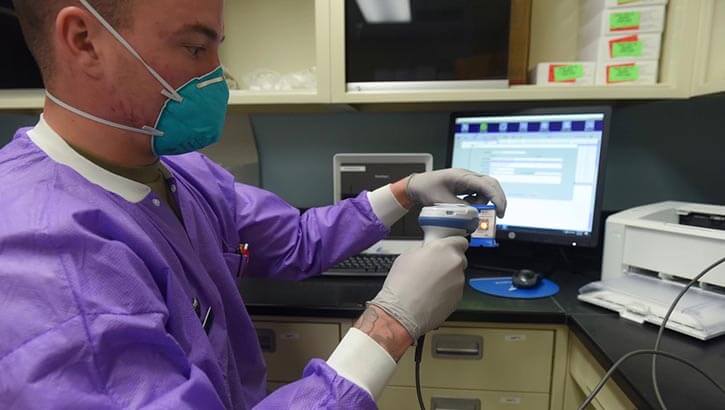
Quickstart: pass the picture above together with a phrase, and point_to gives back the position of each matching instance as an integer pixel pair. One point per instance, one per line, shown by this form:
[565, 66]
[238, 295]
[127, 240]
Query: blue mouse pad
[503, 287]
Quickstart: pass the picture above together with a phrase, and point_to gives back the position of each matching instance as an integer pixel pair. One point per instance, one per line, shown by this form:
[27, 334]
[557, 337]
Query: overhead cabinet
[299, 52]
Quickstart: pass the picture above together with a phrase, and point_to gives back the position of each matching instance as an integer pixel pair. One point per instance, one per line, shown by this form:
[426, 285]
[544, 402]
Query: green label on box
[625, 20]
[621, 73]
[568, 72]
[627, 49]
[623, 2]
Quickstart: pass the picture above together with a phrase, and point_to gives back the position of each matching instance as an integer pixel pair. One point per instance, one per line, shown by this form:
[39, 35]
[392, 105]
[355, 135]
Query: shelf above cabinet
[34, 99]
[241, 97]
[517, 93]
[22, 99]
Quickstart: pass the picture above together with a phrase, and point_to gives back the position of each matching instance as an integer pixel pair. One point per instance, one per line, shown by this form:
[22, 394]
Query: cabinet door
[585, 373]
[396, 398]
[266, 39]
[288, 347]
[709, 76]
[482, 359]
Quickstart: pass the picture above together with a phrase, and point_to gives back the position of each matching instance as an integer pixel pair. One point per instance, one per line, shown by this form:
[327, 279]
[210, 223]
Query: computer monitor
[549, 162]
[353, 173]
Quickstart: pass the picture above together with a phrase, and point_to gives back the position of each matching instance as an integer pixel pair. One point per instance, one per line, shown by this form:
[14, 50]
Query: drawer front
[288, 347]
[397, 398]
[482, 359]
[586, 374]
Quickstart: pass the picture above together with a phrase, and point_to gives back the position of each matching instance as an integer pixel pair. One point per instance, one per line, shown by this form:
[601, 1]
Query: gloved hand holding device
[444, 186]
[425, 285]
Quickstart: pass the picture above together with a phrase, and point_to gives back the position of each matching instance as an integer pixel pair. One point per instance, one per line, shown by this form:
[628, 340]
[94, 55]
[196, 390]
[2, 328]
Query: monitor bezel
[540, 235]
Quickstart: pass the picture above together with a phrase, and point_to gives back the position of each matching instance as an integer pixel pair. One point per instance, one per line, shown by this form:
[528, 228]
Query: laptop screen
[357, 177]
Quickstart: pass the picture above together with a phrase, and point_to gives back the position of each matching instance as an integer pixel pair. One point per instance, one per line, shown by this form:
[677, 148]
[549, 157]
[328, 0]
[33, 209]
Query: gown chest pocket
[237, 264]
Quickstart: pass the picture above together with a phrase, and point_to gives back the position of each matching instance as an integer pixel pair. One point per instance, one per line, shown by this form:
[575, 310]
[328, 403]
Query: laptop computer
[354, 173]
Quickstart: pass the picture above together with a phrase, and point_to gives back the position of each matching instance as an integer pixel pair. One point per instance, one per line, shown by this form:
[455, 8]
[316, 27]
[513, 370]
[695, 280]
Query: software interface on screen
[547, 164]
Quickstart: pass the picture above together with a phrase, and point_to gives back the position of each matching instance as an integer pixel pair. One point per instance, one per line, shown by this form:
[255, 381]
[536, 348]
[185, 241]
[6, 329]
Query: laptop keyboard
[365, 264]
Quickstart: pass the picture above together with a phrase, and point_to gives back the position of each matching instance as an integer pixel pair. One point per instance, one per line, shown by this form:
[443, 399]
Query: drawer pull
[457, 351]
[465, 347]
[447, 403]
[267, 340]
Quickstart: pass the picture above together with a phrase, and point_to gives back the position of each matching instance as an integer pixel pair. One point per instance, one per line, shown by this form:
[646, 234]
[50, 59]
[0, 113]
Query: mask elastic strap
[169, 91]
[145, 130]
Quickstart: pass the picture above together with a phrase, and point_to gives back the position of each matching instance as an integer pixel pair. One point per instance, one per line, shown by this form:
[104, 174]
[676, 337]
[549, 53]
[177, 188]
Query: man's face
[180, 39]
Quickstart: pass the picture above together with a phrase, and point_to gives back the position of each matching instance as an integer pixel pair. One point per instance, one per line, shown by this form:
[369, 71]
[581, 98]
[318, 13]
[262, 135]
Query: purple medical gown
[96, 292]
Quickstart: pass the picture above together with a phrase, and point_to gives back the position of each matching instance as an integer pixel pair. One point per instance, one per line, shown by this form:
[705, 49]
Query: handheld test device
[446, 220]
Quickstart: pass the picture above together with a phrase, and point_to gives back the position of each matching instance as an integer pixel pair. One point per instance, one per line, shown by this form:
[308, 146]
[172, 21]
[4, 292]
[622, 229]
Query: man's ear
[76, 36]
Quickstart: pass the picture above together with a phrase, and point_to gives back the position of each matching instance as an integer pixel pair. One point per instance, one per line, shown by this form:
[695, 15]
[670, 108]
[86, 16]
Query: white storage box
[627, 47]
[564, 73]
[627, 72]
[590, 8]
[620, 21]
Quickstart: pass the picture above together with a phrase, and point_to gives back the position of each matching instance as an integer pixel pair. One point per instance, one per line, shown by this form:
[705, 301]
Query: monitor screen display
[549, 165]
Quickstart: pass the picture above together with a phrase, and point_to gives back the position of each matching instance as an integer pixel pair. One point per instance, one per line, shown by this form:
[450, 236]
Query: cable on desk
[418, 359]
[641, 352]
[656, 352]
[664, 322]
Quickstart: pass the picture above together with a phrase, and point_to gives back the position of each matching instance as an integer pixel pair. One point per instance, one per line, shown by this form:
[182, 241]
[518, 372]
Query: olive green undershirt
[154, 176]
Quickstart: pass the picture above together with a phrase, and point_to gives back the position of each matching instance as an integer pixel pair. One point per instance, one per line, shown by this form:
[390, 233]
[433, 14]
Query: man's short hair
[37, 18]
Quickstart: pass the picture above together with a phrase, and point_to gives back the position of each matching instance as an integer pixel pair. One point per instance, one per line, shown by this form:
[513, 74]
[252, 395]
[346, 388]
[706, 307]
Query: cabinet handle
[448, 403]
[267, 340]
[454, 351]
[466, 347]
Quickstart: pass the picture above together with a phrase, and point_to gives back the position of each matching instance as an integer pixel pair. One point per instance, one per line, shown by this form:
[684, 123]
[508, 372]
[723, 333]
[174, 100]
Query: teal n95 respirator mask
[192, 116]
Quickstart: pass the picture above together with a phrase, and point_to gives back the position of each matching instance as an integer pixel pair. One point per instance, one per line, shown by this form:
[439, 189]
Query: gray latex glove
[442, 186]
[425, 285]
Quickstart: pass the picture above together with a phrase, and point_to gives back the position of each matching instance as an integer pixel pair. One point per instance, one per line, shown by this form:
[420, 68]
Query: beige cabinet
[505, 366]
[554, 27]
[709, 70]
[466, 366]
[482, 359]
[281, 36]
[583, 376]
[398, 398]
[286, 36]
[289, 346]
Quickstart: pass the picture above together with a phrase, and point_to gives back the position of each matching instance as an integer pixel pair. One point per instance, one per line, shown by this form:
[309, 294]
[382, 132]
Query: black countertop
[606, 335]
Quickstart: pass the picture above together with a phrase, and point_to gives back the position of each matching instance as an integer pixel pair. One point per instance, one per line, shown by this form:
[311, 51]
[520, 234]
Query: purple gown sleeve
[84, 327]
[320, 388]
[285, 244]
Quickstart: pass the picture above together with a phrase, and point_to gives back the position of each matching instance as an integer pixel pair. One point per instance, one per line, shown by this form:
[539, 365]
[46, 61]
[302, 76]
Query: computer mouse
[526, 279]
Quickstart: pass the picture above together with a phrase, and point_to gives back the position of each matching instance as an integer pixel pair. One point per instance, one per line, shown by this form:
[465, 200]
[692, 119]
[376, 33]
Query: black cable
[418, 359]
[664, 322]
[655, 352]
[641, 352]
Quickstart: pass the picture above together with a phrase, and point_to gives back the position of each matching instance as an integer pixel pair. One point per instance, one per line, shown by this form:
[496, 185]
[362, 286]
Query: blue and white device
[446, 220]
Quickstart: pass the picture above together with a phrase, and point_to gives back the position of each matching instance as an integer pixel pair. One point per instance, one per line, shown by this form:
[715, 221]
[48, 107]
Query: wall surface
[658, 150]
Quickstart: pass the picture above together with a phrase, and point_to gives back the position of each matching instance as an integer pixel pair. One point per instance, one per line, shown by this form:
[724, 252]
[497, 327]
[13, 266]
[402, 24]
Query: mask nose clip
[209, 82]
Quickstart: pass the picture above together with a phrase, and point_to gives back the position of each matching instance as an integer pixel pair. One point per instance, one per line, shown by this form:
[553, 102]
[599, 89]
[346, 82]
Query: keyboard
[368, 265]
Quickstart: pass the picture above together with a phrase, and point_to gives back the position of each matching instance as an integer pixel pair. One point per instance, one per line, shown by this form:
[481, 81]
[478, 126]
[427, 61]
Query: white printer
[650, 253]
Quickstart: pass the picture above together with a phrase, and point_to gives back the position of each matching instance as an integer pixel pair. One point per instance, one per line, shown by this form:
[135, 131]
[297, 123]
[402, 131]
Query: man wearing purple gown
[121, 248]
